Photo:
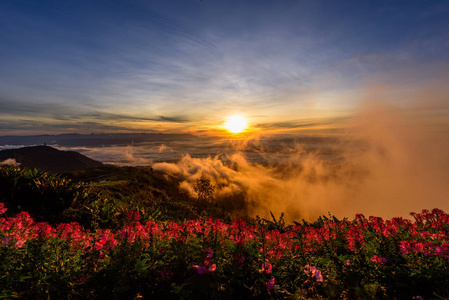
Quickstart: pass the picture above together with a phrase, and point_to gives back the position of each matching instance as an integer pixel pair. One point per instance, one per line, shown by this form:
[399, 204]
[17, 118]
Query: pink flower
[313, 272]
[439, 251]
[20, 242]
[267, 267]
[348, 263]
[270, 283]
[309, 269]
[318, 276]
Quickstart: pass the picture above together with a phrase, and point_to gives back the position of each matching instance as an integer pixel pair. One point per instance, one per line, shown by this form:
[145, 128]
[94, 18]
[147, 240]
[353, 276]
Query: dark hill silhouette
[50, 159]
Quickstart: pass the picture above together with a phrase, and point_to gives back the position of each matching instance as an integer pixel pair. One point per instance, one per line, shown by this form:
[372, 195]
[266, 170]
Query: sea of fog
[261, 150]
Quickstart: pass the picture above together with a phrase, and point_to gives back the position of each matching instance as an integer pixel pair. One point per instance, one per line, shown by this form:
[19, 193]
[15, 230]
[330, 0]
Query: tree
[205, 189]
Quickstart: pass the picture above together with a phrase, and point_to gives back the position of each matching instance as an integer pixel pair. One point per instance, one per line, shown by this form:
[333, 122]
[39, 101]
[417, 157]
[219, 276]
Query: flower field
[364, 258]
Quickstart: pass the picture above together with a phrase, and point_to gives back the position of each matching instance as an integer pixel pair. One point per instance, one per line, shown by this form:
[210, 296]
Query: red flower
[267, 267]
[3, 209]
[378, 259]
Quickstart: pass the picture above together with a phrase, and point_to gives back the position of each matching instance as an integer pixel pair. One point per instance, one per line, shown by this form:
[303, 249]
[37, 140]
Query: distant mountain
[91, 140]
[50, 159]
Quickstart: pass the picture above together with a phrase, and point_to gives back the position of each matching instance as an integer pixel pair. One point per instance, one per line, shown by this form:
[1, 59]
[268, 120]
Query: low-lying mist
[388, 163]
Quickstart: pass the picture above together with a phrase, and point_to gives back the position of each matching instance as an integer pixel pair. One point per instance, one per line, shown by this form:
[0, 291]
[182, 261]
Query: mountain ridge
[50, 159]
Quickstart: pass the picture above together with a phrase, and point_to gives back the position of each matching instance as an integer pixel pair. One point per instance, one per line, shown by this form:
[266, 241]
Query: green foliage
[42, 194]
[102, 198]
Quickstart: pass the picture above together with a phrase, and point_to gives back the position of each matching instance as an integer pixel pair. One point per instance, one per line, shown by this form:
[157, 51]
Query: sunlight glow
[235, 124]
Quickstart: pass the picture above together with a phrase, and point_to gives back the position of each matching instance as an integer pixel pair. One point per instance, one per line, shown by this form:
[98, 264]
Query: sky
[186, 66]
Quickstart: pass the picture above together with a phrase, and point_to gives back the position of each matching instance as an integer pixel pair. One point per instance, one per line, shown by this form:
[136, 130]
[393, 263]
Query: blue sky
[184, 66]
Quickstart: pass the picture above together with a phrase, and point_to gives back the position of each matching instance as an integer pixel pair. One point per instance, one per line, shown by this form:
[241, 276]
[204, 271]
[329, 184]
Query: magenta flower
[210, 253]
[270, 283]
[6, 240]
[207, 269]
[199, 269]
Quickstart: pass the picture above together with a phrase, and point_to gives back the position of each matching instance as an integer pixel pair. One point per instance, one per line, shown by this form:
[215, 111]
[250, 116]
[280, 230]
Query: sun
[235, 124]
